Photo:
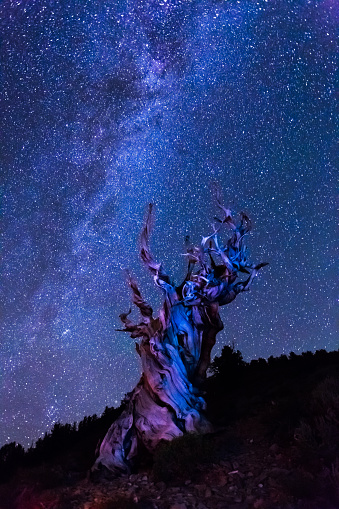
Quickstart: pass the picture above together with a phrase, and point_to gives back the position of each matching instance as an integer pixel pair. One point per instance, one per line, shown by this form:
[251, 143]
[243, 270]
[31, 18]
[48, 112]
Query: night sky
[107, 105]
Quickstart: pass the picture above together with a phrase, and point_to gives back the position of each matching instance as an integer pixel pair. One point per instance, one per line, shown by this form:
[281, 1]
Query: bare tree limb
[175, 348]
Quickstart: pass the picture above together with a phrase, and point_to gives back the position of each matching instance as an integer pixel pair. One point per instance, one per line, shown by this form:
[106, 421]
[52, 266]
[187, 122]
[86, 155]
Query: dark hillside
[281, 386]
[275, 445]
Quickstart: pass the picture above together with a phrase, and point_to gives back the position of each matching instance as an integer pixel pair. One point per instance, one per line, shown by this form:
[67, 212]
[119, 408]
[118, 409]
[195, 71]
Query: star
[106, 107]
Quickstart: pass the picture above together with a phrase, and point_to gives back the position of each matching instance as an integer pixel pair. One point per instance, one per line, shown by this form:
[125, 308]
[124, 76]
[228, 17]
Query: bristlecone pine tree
[175, 348]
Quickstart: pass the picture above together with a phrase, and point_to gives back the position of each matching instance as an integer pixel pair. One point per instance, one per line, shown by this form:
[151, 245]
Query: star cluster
[108, 105]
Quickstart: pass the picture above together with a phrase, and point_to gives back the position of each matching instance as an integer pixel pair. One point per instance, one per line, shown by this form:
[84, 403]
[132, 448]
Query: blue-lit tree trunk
[175, 348]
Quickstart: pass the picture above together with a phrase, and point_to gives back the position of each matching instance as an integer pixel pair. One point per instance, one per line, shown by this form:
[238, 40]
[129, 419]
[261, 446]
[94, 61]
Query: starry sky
[107, 105]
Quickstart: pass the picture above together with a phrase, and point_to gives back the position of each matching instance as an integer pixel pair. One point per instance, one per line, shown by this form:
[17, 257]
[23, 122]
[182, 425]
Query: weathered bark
[175, 348]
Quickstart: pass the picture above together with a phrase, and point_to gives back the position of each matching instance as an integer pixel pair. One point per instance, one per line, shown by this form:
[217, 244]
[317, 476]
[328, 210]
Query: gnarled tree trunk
[175, 348]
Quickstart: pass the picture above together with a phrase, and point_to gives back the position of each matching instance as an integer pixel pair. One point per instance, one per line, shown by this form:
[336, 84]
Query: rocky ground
[242, 482]
[254, 475]
[275, 446]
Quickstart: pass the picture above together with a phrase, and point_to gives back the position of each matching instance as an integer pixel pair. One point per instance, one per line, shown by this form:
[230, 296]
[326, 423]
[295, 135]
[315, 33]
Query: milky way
[108, 105]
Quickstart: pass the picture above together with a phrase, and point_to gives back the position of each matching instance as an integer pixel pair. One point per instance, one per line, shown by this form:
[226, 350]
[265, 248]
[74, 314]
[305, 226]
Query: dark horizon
[236, 364]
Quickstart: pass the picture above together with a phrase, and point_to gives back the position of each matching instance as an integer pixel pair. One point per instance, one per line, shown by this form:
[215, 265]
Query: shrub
[43, 477]
[325, 399]
[318, 433]
[179, 459]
